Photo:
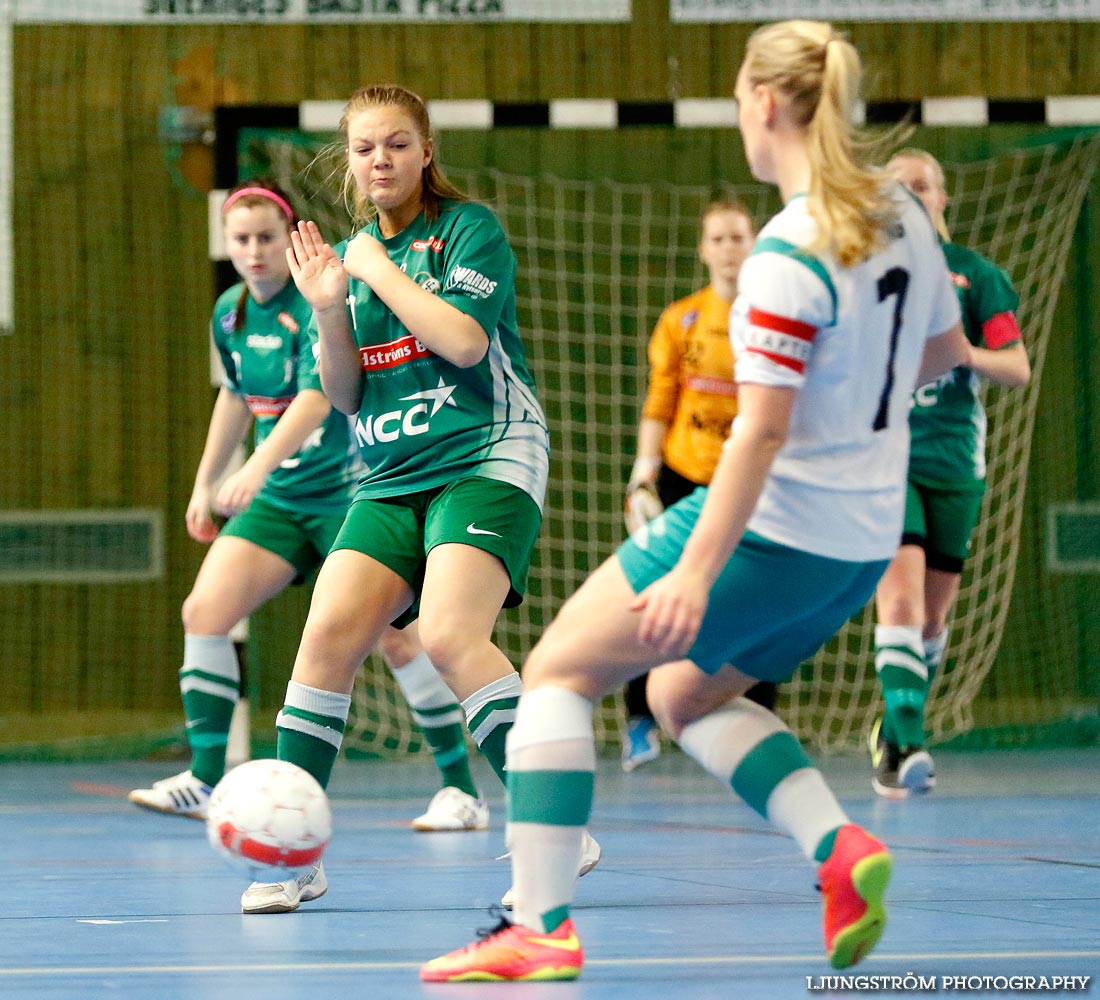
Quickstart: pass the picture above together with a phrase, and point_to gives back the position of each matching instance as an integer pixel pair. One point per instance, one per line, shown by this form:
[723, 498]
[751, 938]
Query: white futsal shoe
[285, 897]
[180, 795]
[451, 810]
[590, 857]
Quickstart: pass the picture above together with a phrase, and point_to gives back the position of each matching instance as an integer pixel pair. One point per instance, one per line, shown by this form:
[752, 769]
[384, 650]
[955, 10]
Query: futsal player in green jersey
[415, 319]
[285, 507]
[946, 482]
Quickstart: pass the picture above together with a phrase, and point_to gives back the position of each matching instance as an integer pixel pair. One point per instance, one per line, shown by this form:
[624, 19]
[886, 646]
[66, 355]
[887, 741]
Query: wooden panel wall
[104, 393]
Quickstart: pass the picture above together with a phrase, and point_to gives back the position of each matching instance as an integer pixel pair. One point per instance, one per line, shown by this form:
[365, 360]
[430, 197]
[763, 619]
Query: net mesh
[598, 260]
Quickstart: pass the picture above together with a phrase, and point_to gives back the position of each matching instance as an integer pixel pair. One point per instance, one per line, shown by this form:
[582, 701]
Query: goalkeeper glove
[642, 502]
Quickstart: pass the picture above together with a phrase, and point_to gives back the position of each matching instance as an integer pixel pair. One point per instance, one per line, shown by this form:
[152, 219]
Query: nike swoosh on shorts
[480, 531]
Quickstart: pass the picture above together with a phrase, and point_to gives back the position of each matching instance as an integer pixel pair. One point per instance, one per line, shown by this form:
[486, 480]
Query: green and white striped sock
[490, 712]
[311, 728]
[751, 749]
[899, 661]
[210, 681]
[551, 778]
[438, 714]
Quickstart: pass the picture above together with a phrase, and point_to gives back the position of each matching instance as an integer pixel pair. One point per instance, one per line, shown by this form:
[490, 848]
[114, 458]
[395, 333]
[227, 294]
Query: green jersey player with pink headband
[284, 509]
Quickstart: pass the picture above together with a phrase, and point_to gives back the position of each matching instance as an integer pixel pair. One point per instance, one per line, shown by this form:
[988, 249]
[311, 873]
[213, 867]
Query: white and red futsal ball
[269, 819]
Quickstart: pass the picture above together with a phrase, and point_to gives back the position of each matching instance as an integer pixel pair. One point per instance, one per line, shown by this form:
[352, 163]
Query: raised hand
[315, 268]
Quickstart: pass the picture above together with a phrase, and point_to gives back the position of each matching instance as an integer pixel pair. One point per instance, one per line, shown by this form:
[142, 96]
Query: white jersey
[850, 340]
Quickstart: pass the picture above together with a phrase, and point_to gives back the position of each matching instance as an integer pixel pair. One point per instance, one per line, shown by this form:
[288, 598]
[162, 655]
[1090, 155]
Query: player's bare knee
[535, 672]
[444, 642]
[398, 648]
[670, 707]
[325, 640]
[201, 616]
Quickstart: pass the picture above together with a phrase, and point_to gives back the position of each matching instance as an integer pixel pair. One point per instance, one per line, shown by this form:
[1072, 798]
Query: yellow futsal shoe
[511, 953]
[853, 882]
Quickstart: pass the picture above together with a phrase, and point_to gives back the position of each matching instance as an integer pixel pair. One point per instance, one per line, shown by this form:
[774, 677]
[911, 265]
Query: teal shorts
[303, 540]
[940, 518]
[400, 531]
[771, 608]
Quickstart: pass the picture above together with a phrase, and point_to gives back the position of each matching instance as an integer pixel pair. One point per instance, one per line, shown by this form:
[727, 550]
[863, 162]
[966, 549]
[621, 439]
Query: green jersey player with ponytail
[415, 320]
[946, 483]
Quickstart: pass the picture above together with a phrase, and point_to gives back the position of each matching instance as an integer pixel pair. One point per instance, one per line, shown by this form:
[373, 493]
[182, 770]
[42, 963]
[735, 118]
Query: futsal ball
[269, 819]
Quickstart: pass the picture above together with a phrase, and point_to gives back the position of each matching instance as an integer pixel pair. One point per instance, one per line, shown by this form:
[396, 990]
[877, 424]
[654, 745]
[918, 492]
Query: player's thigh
[354, 600]
[236, 577]
[464, 590]
[592, 645]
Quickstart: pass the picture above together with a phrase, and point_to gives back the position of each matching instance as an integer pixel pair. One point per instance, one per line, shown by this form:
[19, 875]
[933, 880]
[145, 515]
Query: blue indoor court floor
[997, 873]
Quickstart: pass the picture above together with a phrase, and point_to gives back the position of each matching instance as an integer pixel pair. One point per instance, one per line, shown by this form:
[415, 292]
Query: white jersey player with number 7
[843, 303]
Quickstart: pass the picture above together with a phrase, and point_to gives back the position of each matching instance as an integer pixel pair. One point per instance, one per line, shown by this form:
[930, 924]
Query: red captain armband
[782, 340]
[1000, 331]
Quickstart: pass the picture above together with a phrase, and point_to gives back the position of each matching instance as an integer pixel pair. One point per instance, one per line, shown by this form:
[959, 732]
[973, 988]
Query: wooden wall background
[104, 393]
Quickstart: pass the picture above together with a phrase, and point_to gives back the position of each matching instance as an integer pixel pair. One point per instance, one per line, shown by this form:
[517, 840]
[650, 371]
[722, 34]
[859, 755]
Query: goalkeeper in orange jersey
[686, 417]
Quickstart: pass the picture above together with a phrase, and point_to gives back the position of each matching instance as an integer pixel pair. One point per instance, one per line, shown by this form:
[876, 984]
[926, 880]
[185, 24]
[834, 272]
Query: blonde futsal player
[845, 292]
[416, 324]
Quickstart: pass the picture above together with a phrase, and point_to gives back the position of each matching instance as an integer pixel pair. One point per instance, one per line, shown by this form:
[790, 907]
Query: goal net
[598, 260]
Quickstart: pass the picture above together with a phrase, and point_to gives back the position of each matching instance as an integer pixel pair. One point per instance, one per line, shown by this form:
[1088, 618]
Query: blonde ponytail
[818, 73]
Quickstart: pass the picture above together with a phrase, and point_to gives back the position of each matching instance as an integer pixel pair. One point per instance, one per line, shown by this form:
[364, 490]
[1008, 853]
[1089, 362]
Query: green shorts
[400, 531]
[940, 519]
[303, 540]
[771, 608]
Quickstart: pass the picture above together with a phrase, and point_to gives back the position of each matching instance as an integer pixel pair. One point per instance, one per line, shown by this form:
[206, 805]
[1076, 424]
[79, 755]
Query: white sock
[423, 688]
[551, 770]
[750, 749]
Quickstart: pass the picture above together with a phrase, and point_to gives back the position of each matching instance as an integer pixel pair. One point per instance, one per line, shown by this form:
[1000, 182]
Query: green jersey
[267, 363]
[947, 419]
[423, 421]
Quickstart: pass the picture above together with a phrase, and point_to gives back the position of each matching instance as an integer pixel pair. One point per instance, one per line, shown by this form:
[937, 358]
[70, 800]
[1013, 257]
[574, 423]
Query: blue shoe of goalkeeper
[642, 742]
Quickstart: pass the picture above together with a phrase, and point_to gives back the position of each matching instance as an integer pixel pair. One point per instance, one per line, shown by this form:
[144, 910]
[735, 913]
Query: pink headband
[263, 193]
